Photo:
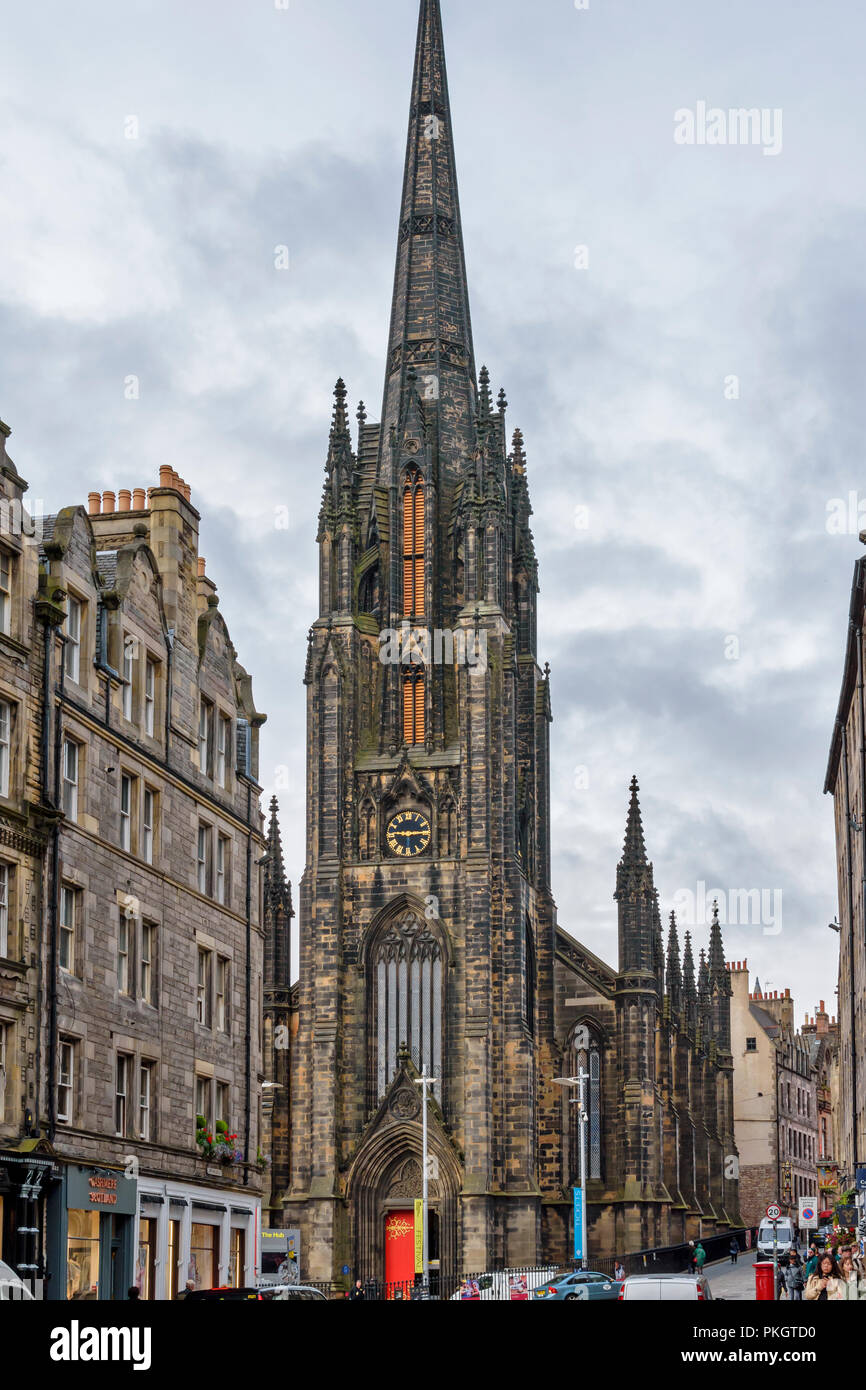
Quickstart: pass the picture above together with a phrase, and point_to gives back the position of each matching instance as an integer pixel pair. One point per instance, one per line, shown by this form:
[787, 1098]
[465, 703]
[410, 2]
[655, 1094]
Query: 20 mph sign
[774, 1212]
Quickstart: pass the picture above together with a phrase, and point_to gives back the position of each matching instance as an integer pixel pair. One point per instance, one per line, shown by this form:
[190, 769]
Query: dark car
[223, 1295]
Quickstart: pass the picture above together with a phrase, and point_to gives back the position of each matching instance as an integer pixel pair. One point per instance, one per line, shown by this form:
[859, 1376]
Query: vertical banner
[419, 1236]
[578, 1224]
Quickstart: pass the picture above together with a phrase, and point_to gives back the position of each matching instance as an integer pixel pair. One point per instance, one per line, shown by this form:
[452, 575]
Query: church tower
[427, 927]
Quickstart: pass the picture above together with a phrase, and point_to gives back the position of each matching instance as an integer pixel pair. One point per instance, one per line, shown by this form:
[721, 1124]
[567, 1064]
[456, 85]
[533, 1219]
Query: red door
[400, 1251]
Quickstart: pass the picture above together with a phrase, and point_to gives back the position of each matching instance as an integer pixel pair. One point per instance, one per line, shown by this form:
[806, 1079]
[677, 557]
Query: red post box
[765, 1284]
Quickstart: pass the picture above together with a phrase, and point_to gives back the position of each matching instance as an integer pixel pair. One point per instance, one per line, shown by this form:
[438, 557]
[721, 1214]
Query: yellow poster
[419, 1237]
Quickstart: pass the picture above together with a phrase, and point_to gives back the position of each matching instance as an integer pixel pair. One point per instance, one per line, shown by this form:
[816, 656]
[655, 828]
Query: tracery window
[406, 984]
[588, 1060]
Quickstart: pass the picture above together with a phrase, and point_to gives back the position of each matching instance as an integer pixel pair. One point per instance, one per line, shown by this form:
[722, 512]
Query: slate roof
[106, 563]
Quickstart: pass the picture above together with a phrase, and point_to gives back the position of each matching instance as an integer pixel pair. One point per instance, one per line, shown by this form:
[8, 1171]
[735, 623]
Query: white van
[666, 1288]
[785, 1237]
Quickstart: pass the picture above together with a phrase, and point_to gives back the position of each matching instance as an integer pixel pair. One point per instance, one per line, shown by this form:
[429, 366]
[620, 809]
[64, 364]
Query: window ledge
[18, 967]
[12, 643]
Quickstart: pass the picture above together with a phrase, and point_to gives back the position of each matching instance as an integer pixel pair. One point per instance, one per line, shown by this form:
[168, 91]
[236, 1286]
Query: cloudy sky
[692, 378]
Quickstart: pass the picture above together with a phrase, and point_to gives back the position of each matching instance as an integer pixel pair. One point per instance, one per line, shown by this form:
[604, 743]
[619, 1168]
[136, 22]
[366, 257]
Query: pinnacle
[340, 423]
[634, 849]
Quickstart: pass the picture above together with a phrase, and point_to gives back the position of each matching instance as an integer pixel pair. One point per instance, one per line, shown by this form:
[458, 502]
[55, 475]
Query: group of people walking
[823, 1276]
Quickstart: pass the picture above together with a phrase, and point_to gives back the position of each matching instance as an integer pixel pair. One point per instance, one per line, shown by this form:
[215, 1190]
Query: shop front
[197, 1237]
[91, 1234]
[24, 1178]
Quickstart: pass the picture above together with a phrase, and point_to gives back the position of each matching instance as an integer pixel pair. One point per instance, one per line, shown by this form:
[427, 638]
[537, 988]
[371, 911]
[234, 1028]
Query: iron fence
[518, 1284]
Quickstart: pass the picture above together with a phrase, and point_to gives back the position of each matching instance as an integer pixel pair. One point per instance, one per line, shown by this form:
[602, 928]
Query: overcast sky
[696, 623]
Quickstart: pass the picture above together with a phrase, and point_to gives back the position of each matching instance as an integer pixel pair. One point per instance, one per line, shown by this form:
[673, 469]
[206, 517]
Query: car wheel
[572, 1298]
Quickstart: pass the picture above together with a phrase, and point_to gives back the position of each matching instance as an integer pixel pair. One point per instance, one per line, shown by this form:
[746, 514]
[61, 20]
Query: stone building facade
[822, 1031]
[846, 782]
[24, 836]
[428, 931]
[142, 748]
[775, 1099]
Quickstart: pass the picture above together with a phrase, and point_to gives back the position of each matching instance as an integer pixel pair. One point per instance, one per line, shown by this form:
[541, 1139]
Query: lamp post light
[582, 1119]
[424, 1081]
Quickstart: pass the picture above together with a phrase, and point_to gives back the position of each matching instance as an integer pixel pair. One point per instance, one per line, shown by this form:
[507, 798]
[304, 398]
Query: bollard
[765, 1282]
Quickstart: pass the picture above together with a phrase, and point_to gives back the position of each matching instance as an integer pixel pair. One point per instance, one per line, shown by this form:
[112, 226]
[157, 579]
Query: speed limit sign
[774, 1212]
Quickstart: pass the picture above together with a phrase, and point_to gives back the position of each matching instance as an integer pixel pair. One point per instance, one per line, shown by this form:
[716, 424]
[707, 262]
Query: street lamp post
[583, 1119]
[424, 1081]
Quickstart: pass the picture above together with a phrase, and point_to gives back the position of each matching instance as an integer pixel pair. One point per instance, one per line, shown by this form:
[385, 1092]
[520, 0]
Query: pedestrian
[792, 1278]
[734, 1248]
[690, 1258]
[618, 1271]
[133, 1295]
[811, 1263]
[825, 1284]
[358, 1291]
[853, 1286]
[700, 1257]
[188, 1288]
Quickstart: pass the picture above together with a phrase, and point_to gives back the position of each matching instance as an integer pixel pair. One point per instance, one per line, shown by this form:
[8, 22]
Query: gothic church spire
[430, 323]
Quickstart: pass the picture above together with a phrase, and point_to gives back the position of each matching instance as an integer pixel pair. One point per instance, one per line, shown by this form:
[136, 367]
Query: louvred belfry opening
[413, 707]
[413, 544]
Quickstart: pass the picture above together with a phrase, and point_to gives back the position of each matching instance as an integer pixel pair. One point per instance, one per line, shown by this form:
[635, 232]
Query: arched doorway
[384, 1185]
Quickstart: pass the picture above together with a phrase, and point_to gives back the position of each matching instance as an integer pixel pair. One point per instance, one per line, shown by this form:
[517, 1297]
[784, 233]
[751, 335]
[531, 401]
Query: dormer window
[5, 592]
[72, 649]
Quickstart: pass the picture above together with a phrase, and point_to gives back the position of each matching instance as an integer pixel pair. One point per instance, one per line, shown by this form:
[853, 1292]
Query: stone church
[428, 929]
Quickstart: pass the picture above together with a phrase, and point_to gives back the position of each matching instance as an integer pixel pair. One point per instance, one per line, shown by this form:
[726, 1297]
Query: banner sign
[419, 1236]
[578, 1224]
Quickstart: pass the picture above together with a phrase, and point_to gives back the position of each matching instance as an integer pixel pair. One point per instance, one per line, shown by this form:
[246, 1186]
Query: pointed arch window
[406, 986]
[413, 544]
[529, 977]
[413, 706]
[588, 1060]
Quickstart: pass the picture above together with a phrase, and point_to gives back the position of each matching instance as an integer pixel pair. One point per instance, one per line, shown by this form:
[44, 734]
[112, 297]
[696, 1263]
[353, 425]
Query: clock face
[408, 833]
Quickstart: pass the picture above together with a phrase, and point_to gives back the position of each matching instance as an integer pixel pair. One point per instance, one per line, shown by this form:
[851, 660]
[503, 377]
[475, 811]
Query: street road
[733, 1281]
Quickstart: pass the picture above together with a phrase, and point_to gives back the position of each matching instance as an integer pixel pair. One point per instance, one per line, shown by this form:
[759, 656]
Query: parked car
[665, 1288]
[290, 1293]
[11, 1287]
[579, 1285]
[223, 1295]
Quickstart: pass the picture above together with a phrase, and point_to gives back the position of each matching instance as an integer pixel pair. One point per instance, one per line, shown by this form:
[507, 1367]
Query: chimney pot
[821, 1006]
[201, 566]
[165, 472]
[187, 491]
[138, 503]
[175, 480]
[94, 503]
[124, 500]
[107, 503]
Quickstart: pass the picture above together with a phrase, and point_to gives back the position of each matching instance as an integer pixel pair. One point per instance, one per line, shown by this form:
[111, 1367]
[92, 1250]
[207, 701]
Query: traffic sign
[808, 1213]
[774, 1212]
